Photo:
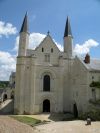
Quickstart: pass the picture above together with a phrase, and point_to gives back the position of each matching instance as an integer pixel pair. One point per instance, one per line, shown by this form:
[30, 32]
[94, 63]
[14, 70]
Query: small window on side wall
[51, 50]
[47, 57]
[42, 49]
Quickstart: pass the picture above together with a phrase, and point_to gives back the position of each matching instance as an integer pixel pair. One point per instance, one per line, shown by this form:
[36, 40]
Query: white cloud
[60, 47]
[80, 49]
[85, 47]
[7, 65]
[8, 61]
[16, 44]
[7, 29]
[34, 40]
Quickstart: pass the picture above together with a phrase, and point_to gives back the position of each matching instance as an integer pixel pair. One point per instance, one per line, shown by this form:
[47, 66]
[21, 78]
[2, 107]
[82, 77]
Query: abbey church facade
[49, 80]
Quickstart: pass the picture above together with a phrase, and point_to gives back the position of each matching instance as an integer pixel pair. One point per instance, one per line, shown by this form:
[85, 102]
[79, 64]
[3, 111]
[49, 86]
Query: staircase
[7, 107]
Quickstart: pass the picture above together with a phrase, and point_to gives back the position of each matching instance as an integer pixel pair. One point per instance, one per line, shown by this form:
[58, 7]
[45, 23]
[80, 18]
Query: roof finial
[48, 32]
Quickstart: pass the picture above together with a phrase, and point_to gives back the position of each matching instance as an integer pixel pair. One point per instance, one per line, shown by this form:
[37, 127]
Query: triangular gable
[47, 39]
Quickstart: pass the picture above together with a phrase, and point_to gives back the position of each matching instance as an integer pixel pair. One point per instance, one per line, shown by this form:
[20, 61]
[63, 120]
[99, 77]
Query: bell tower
[68, 40]
[24, 38]
[19, 103]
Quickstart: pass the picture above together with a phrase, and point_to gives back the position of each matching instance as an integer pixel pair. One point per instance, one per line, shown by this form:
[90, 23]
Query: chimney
[87, 59]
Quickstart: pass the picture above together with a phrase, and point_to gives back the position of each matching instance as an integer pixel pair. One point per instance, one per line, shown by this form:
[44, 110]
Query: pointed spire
[24, 27]
[68, 31]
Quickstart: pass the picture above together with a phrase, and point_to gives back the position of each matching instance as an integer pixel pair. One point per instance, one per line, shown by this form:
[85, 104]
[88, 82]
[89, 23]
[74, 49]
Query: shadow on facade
[4, 97]
[75, 110]
[61, 116]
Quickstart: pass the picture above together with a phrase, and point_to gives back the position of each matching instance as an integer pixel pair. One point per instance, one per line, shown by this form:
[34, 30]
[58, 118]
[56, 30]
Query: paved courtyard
[9, 125]
[69, 127]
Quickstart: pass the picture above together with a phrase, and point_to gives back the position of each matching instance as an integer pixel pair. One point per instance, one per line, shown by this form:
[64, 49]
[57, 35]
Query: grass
[27, 120]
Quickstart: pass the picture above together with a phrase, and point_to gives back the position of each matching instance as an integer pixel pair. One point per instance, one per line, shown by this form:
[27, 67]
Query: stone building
[12, 80]
[48, 80]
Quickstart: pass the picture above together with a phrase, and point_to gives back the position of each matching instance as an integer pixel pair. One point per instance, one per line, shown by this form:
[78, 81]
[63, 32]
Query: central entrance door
[46, 105]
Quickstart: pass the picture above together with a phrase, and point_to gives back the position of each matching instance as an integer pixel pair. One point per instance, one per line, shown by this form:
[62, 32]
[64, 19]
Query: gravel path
[69, 127]
[9, 125]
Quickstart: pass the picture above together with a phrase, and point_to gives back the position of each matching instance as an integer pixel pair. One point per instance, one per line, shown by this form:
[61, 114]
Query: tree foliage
[95, 84]
[4, 84]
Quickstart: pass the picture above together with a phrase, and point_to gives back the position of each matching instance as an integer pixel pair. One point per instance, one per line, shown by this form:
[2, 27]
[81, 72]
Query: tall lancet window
[46, 83]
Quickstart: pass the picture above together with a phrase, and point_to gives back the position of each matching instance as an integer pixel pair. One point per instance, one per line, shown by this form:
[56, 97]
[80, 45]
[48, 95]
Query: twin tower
[24, 39]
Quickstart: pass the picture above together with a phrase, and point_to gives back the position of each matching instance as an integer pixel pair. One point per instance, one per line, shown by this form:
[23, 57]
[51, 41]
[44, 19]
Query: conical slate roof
[67, 28]
[24, 27]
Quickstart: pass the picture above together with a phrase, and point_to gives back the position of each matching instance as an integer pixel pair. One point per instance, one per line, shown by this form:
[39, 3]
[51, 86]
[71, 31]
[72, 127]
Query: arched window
[46, 83]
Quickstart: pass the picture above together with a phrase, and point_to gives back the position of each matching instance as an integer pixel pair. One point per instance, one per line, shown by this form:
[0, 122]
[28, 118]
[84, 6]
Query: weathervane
[48, 32]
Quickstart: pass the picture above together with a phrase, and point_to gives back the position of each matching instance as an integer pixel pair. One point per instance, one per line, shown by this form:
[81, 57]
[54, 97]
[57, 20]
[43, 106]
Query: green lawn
[27, 120]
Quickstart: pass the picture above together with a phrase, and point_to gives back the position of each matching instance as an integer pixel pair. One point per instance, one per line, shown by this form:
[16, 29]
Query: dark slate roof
[94, 64]
[24, 27]
[67, 28]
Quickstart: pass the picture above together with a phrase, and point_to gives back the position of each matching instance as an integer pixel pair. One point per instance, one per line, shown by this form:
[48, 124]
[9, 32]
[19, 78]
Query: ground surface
[69, 127]
[9, 125]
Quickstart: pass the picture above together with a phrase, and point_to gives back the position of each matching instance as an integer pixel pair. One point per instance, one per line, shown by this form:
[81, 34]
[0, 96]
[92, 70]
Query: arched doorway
[46, 83]
[46, 105]
[12, 95]
[75, 111]
[4, 97]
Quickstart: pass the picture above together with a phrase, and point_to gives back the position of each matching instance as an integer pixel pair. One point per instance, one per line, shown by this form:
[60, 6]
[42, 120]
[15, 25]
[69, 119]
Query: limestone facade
[48, 80]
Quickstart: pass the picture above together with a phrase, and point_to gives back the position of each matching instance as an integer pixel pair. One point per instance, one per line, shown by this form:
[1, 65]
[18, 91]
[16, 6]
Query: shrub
[95, 84]
[93, 114]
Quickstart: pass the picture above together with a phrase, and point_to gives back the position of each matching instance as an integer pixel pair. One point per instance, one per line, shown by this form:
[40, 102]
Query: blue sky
[44, 15]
